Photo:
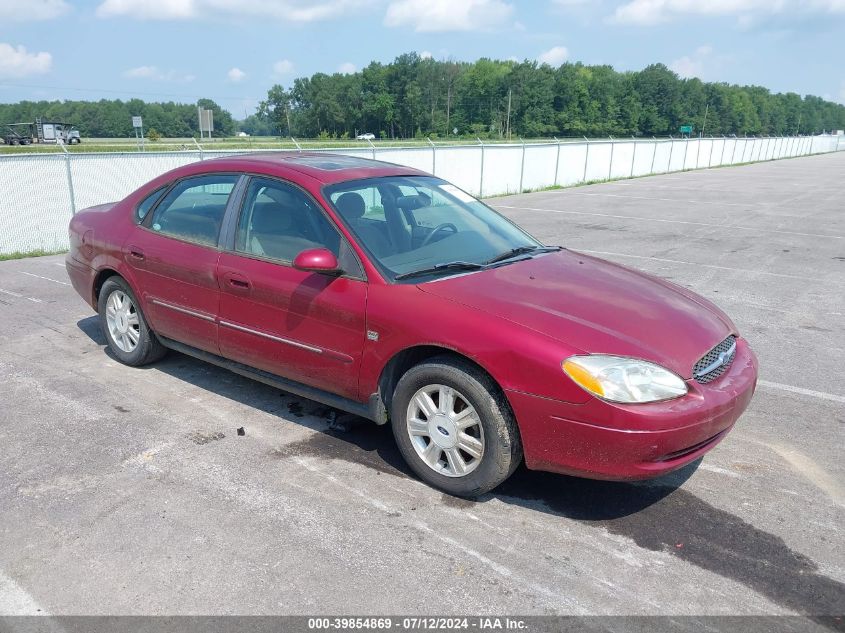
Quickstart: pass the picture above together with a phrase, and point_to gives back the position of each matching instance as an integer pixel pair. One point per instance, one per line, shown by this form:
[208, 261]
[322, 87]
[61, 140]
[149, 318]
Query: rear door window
[193, 210]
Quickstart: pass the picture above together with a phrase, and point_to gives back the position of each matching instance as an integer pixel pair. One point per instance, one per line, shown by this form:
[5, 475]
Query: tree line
[112, 118]
[415, 97]
[418, 97]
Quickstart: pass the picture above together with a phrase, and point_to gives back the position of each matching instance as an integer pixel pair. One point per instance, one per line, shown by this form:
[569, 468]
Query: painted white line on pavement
[20, 296]
[617, 195]
[14, 600]
[678, 261]
[801, 391]
[664, 220]
[55, 281]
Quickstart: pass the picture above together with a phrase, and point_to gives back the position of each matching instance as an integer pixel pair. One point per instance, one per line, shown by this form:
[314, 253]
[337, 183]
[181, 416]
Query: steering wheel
[440, 227]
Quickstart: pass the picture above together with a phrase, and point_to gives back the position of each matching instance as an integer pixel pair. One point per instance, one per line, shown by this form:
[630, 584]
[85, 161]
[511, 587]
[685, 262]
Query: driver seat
[352, 207]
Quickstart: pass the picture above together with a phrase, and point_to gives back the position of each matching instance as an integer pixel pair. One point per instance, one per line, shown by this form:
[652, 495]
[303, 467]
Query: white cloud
[426, 55]
[692, 65]
[447, 15]
[647, 12]
[18, 62]
[235, 75]
[283, 10]
[153, 72]
[347, 68]
[283, 67]
[555, 56]
[29, 10]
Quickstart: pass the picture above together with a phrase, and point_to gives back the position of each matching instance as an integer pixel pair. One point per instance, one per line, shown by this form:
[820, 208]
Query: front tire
[454, 427]
[127, 333]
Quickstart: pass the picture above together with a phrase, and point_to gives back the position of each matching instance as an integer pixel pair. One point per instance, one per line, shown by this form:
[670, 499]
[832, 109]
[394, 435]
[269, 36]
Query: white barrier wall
[41, 191]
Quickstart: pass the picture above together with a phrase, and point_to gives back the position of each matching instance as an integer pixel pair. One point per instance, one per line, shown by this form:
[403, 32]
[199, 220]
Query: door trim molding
[193, 313]
[272, 337]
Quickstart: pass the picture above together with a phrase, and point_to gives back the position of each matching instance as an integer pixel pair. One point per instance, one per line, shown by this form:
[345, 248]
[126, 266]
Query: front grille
[724, 352]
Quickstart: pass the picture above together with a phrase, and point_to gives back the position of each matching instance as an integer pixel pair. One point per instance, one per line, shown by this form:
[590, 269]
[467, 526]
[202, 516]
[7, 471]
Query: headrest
[351, 205]
[409, 203]
[270, 217]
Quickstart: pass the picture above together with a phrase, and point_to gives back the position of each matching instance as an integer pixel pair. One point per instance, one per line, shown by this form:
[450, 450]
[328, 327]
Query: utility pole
[704, 125]
[508, 127]
[798, 129]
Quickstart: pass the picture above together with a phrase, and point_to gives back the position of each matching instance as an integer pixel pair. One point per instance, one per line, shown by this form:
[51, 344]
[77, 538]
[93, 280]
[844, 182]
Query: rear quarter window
[147, 204]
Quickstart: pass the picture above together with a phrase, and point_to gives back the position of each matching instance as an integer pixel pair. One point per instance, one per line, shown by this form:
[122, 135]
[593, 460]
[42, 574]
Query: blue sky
[233, 50]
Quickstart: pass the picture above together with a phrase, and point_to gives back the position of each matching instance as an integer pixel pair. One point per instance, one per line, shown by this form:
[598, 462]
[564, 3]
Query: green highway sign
[686, 129]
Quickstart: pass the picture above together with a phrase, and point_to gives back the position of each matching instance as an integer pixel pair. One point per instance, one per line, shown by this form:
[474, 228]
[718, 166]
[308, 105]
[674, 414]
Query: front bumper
[603, 440]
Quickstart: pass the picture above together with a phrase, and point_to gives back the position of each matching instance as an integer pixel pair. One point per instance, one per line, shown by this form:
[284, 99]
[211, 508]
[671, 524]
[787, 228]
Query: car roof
[324, 167]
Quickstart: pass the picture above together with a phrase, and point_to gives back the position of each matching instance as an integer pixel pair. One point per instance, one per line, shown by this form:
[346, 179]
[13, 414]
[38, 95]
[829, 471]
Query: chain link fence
[42, 191]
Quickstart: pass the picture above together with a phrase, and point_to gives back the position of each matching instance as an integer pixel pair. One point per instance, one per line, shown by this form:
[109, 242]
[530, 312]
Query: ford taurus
[389, 293]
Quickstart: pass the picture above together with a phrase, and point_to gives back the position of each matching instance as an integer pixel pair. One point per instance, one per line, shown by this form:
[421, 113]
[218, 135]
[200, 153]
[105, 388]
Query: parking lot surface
[128, 491]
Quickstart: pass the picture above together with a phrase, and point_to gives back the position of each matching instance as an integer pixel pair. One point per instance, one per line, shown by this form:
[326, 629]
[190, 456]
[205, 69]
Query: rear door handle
[136, 253]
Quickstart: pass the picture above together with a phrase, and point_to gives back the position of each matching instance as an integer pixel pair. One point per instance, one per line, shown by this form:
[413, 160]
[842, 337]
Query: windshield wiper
[521, 250]
[440, 267]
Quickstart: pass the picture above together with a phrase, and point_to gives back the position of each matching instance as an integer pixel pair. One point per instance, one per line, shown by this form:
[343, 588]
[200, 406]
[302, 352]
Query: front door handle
[236, 281]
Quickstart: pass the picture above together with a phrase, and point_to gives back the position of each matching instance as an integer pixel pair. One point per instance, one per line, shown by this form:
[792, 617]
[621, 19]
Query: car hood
[595, 306]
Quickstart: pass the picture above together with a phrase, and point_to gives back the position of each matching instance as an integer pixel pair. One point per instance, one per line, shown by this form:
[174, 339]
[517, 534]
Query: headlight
[625, 380]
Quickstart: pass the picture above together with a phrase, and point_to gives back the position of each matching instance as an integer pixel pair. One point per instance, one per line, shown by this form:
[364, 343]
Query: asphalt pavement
[128, 491]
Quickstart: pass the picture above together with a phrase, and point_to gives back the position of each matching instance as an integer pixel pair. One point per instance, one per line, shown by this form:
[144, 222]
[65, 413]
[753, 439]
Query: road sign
[686, 129]
[137, 122]
[206, 120]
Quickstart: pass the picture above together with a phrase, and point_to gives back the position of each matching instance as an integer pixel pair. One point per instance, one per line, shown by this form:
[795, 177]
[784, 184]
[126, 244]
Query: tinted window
[414, 222]
[193, 210]
[279, 221]
[147, 203]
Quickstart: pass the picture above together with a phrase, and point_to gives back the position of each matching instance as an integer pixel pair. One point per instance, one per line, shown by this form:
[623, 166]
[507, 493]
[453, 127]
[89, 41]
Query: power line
[4, 84]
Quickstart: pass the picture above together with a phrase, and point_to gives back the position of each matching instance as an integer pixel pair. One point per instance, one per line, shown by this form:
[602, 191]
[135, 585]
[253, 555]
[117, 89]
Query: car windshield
[419, 227]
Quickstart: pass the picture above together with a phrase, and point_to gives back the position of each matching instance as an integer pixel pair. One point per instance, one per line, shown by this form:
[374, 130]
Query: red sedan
[388, 293]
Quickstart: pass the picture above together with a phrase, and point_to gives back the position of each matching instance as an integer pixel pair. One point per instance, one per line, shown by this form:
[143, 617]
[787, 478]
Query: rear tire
[454, 427]
[129, 337]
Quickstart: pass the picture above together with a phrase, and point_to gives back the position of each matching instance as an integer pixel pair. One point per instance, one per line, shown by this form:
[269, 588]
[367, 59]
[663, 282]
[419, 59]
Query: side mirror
[317, 260]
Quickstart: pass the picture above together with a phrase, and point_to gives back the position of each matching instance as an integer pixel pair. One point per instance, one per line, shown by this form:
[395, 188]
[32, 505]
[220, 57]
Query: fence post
[433, 156]
[710, 158]
[724, 145]
[653, 154]
[610, 166]
[557, 160]
[586, 159]
[371, 145]
[481, 175]
[522, 165]
[671, 149]
[686, 150]
[698, 150]
[633, 157]
[199, 147]
[69, 180]
[733, 151]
